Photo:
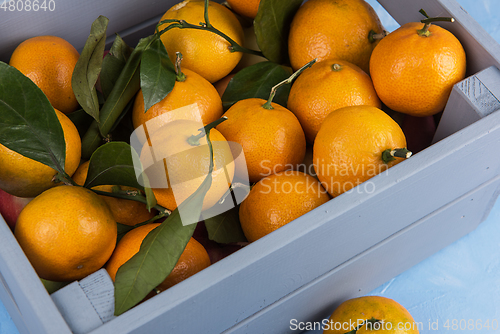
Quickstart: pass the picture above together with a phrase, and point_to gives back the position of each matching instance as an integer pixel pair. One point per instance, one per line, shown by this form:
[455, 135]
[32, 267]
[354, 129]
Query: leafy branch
[206, 26]
[135, 196]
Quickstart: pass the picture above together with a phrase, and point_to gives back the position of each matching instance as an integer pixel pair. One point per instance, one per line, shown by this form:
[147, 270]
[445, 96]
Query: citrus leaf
[225, 227]
[272, 25]
[88, 67]
[113, 64]
[160, 250]
[113, 164]
[28, 122]
[52, 286]
[157, 74]
[120, 50]
[81, 119]
[125, 89]
[256, 81]
[158, 255]
[122, 230]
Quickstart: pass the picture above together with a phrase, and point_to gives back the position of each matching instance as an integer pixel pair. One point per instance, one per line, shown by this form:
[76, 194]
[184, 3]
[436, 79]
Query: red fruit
[221, 85]
[419, 132]
[11, 206]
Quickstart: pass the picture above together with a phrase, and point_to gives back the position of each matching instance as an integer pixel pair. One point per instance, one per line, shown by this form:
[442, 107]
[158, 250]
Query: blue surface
[461, 281]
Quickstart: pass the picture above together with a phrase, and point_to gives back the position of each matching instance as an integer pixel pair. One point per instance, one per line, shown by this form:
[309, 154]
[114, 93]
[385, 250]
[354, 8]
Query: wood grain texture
[76, 308]
[470, 100]
[30, 305]
[100, 291]
[480, 96]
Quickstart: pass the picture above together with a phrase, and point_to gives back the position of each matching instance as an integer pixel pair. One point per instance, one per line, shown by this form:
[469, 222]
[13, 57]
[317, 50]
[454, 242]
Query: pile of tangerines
[315, 113]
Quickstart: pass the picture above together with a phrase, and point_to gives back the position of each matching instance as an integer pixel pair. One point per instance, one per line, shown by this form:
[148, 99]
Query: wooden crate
[340, 250]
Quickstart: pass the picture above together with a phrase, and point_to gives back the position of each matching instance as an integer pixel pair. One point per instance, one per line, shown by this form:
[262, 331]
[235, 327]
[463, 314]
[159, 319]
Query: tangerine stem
[181, 24]
[194, 140]
[64, 178]
[268, 105]
[233, 186]
[205, 13]
[336, 67]
[427, 23]
[373, 36]
[179, 75]
[134, 197]
[391, 154]
[438, 19]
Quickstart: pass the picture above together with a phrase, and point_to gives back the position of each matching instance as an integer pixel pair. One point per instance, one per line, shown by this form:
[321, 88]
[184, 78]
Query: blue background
[461, 281]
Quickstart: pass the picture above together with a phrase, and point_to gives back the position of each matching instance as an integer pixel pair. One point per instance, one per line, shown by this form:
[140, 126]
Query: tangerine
[184, 165]
[247, 8]
[376, 313]
[328, 85]
[66, 232]
[278, 199]
[49, 62]
[205, 52]
[192, 90]
[24, 177]
[340, 29]
[413, 71]
[125, 211]
[354, 144]
[193, 259]
[272, 139]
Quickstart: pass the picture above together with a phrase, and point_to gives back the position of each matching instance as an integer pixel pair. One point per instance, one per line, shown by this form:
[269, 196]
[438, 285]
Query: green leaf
[88, 67]
[113, 64]
[256, 81]
[113, 164]
[125, 89]
[158, 255]
[272, 25]
[123, 127]
[225, 227]
[52, 286]
[81, 119]
[120, 50]
[157, 74]
[28, 122]
[160, 250]
[122, 229]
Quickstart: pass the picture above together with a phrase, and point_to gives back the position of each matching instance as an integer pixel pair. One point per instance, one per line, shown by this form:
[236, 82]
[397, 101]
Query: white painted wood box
[342, 249]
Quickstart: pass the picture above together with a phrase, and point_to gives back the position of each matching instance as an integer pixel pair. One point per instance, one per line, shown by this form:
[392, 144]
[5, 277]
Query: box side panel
[54, 19]
[71, 20]
[481, 49]
[421, 187]
[470, 100]
[27, 299]
[364, 272]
